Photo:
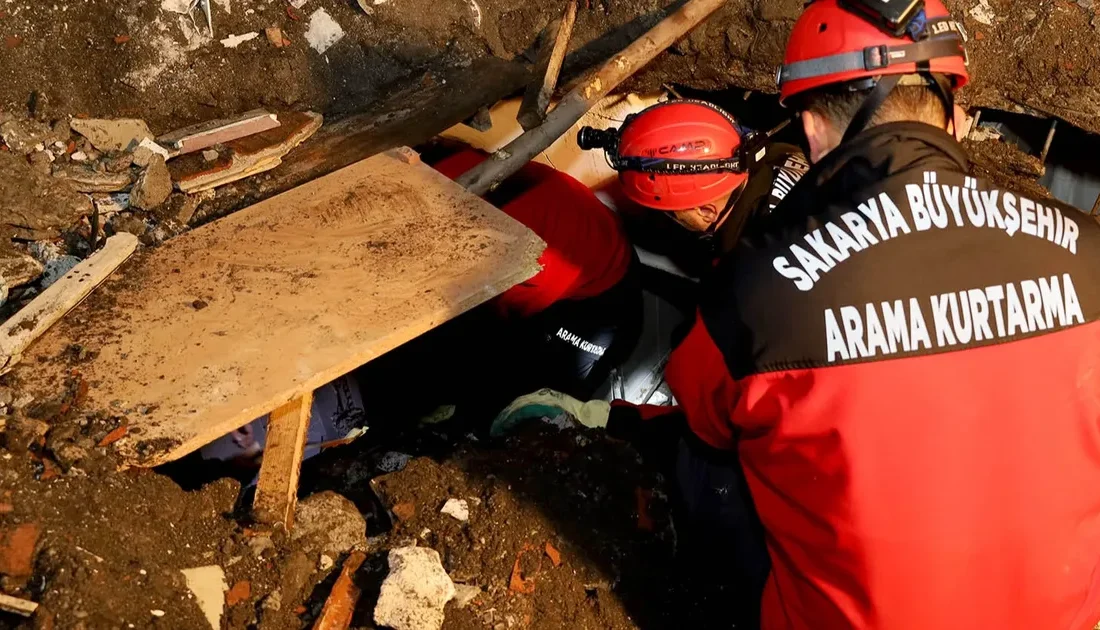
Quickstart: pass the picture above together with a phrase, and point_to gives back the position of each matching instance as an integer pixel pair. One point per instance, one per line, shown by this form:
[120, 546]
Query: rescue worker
[905, 363]
[565, 328]
[692, 162]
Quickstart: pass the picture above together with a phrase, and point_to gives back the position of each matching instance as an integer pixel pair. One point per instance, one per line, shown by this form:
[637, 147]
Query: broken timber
[487, 175]
[554, 45]
[231, 321]
[277, 488]
[17, 606]
[36, 318]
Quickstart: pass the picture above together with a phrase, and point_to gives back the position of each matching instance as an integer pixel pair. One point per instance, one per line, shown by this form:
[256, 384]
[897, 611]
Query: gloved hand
[547, 403]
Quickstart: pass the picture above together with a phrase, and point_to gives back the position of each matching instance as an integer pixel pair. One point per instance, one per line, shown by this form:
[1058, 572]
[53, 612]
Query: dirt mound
[139, 59]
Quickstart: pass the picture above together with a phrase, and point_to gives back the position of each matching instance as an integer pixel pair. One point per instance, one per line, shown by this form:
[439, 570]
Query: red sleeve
[453, 166]
[701, 382]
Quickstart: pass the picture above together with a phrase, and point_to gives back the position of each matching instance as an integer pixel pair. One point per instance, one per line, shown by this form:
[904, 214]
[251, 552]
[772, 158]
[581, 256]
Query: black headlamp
[751, 152]
[896, 17]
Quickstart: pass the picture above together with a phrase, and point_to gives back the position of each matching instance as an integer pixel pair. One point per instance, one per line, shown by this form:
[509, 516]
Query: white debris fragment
[210, 155]
[394, 461]
[983, 13]
[476, 10]
[175, 6]
[79, 156]
[981, 134]
[415, 591]
[146, 149]
[298, 4]
[456, 508]
[156, 613]
[326, 563]
[208, 586]
[108, 205]
[236, 40]
[323, 31]
[465, 593]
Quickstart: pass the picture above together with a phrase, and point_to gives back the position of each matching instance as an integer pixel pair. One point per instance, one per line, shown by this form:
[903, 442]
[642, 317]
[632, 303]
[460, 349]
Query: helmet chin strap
[871, 105]
[882, 91]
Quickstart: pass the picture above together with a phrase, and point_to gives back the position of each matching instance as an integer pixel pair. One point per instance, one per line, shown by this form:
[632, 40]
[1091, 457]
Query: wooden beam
[554, 43]
[18, 606]
[277, 489]
[36, 318]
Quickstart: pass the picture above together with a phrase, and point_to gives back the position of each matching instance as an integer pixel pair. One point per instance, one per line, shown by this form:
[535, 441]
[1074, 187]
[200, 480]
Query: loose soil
[105, 58]
[110, 545]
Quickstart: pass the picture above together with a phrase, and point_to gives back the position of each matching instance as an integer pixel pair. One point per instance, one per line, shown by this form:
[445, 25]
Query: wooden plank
[228, 322]
[277, 488]
[17, 605]
[554, 45]
[340, 605]
[36, 318]
[207, 134]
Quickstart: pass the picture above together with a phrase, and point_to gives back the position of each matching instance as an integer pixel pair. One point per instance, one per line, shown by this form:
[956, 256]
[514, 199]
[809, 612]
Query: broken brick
[517, 583]
[17, 550]
[293, 14]
[240, 592]
[122, 39]
[553, 554]
[404, 511]
[13, 41]
[49, 470]
[276, 36]
[6, 508]
[113, 436]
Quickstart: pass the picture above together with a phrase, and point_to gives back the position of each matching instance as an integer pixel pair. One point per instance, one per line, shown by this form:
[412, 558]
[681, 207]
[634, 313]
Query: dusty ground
[105, 549]
[104, 58]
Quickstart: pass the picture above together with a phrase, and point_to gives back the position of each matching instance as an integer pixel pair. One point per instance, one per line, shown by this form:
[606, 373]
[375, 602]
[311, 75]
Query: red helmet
[699, 137]
[831, 44]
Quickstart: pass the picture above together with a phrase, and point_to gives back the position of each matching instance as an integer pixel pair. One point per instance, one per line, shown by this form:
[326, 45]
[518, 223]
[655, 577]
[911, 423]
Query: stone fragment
[415, 591]
[122, 134]
[153, 185]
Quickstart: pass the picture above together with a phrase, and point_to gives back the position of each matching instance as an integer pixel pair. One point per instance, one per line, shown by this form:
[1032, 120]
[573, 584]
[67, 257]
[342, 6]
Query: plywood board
[233, 320]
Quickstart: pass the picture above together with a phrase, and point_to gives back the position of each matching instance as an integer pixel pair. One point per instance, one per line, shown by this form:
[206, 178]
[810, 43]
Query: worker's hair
[917, 103]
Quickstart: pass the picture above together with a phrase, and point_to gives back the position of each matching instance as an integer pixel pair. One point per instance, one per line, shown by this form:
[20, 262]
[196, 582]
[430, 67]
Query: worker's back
[917, 357]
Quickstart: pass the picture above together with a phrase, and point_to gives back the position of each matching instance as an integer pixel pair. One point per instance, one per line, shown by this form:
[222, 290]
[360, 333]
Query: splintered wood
[235, 319]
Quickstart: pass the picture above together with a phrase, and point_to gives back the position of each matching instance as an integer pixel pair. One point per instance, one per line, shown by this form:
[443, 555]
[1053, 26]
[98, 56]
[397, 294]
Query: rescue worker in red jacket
[904, 364]
[565, 328]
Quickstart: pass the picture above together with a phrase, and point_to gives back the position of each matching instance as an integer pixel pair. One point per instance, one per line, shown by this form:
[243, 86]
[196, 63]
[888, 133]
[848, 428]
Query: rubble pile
[66, 185]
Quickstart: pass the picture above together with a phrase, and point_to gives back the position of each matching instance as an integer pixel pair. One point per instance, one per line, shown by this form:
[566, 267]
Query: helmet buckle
[875, 57]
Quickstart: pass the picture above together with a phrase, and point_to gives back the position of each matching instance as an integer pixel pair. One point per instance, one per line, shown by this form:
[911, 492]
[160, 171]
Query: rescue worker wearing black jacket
[905, 365]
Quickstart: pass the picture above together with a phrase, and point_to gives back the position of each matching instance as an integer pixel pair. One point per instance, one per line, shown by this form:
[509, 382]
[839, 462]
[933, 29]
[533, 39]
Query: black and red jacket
[908, 365]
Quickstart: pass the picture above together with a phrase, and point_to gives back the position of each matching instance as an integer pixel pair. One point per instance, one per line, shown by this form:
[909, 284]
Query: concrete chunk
[415, 591]
[209, 587]
[123, 134]
[153, 185]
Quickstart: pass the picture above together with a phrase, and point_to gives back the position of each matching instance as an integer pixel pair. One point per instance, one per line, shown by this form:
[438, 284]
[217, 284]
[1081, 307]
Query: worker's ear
[960, 124]
[708, 212]
[821, 136]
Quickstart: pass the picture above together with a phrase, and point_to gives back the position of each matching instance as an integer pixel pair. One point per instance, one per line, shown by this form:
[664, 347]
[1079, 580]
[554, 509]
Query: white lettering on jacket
[951, 319]
[932, 206]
